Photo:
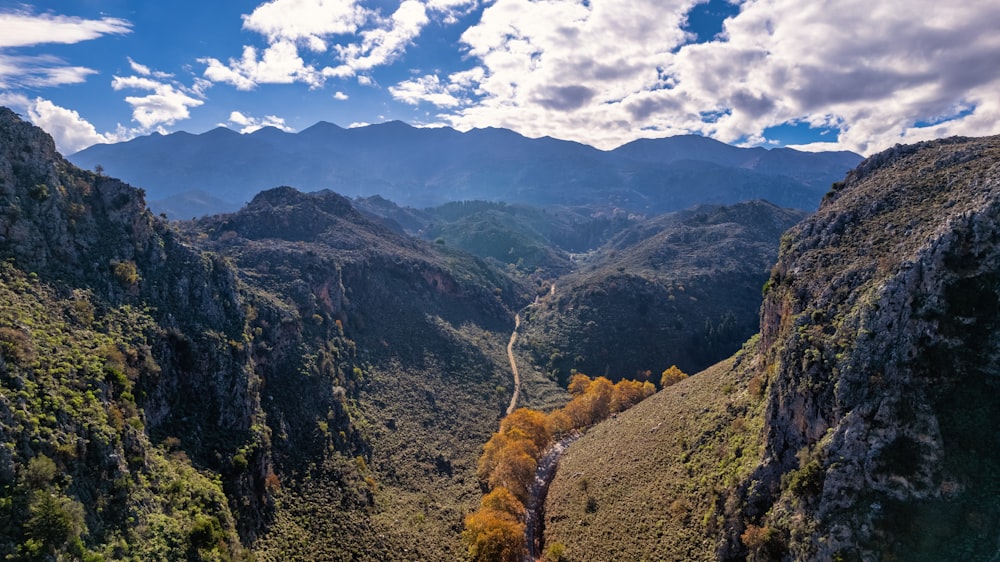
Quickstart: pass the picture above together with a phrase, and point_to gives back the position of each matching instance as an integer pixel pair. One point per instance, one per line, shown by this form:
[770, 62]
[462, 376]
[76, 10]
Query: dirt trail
[513, 365]
[510, 353]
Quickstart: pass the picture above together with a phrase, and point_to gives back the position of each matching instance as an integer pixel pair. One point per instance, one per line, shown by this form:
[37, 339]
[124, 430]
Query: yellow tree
[578, 384]
[558, 422]
[501, 500]
[531, 423]
[491, 537]
[626, 394]
[672, 376]
[501, 445]
[515, 470]
[601, 389]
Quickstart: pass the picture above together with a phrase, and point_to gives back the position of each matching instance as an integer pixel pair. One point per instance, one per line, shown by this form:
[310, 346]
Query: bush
[126, 272]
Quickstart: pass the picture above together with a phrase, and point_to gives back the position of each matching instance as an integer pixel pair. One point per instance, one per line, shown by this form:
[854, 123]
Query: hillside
[857, 426]
[287, 382]
[190, 175]
[682, 288]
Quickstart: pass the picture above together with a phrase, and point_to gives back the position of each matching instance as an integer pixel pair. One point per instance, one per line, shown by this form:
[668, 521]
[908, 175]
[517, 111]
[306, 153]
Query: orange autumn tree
[495, 533]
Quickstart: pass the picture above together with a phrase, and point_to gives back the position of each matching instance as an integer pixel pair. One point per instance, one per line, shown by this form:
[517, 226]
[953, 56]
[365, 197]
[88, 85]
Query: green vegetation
[79, 477]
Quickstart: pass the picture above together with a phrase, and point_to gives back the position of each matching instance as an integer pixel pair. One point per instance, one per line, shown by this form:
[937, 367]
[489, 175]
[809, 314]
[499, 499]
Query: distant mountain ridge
[221, 169]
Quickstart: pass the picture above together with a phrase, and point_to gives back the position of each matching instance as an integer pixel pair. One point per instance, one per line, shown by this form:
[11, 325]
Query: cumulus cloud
[169, 101]
[280, 63]
[875, 73]
[384, 43]
[340, 96]
[250, 124]
[342, 37]
[68, 129]
[308, 21]
[566, 68]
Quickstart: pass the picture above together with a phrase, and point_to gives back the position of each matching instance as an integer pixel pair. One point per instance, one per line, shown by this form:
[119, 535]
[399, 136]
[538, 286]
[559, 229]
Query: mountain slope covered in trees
[859, 424]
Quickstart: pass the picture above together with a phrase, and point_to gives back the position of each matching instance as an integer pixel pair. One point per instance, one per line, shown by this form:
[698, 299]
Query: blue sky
[827, 74]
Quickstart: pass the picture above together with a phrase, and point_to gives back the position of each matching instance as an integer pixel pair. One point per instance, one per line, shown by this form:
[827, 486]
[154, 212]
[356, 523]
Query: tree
[54, 522]
[501, 500]
[578, 384]
[626, 394]
[558, 423]
[672, 376]
[531, 423]
[490, 537]
[515, 470]
[502, 445]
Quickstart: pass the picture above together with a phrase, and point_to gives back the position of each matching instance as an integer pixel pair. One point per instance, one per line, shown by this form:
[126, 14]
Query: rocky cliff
[117, 372]
[878, 335]
[860, 424]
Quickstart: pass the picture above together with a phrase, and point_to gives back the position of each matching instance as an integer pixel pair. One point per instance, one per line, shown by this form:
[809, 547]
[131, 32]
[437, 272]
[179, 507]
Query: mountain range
[313, 376]
[298, 379]
[187, 175]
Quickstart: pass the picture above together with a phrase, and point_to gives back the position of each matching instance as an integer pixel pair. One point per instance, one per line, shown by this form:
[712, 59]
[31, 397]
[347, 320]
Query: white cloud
[567, 68]
[168, 102]
[607, 72]
[385, 43]
[68, 129]
[353, 38]
[250, 124]
[139, 68]
[280, 63]
[39, 72]
[451, 9]
[23, 29]
[426, 89]
[340, 96]
[309, 21]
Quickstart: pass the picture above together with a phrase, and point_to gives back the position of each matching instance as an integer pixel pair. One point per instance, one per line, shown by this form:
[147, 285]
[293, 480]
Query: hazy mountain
[859, 425]
[422, 167]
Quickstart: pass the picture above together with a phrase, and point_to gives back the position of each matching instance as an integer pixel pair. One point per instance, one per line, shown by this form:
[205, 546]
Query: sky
[859, 75]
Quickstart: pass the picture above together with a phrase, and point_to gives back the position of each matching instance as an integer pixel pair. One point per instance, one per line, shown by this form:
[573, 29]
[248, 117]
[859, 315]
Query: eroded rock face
[879, 334]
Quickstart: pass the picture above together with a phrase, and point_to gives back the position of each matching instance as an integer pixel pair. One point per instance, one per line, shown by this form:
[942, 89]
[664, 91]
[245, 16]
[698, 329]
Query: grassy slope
[648, 484]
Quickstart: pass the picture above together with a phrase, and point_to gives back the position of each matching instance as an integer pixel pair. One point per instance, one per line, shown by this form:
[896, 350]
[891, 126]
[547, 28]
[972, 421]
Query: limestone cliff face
[880, 346]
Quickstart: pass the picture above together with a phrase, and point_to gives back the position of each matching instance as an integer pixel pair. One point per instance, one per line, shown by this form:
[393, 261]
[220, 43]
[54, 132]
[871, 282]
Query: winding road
[513, 365]
[510, 352]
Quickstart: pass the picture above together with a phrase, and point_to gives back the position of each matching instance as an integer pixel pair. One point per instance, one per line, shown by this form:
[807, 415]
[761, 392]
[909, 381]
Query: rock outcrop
[880, 351]
[861, 424]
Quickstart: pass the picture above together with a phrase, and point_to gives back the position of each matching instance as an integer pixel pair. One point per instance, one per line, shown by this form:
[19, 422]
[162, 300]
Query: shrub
[555, 551]
[126, 272]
